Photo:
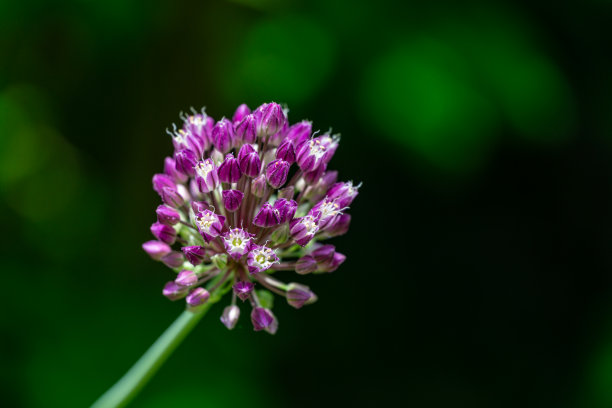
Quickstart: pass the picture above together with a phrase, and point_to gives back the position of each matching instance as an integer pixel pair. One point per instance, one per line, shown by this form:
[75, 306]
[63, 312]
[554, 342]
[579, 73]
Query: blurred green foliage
[478, 260]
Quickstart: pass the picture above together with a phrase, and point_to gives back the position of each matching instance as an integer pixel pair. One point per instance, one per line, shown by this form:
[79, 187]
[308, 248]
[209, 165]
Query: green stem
[120, 394]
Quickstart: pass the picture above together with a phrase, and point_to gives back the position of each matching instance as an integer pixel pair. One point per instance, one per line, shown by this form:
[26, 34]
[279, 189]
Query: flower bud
[286, 151]
[246, 129]
[243, 289]
[258, 187]
[240, 113]
[276, 173]
[194, 254]
[167, 215]
[249, 161]
[161, 181]
[196, 126]
[309, 155]
[267, 216]
[223, 135]
[209, 224]
[343, 193]
[197, 297]
[286, 209]
[170, 171]
[229, 170]
[219, 260]
[185, 161]
[164, 233]
[156, 249]
[172, 198]
[313, 177]
[232, 199]
[173, 291]
[186, 278]
[324, 253]
[319, 190]
[306, 265]
[263, 319]
[303, 229]
[272, 119]
[286, 193]
[299, 295]
[277, 138]
[299, 133]
[230, 316]
[340, 227]
[207, 175]
[332, 264]
[260, 258]
[199, 206]
[173, 260]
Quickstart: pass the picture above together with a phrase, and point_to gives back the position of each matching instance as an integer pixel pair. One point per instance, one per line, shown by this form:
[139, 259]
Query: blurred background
[478, 270]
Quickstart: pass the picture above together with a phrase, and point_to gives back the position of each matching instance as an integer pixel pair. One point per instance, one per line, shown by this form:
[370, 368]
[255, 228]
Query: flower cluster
[243, 199]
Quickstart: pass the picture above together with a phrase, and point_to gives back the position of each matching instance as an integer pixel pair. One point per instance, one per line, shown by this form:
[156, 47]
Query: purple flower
[232, 199]
[223, 135]
[209, 224]
[230, 316]
[195, 254]
[229, 206]
[164, 233]
[263, 319]
[243, 289]
[237, 242]
[260, 258]
[276, 173]
[267, 216]
[156, 249]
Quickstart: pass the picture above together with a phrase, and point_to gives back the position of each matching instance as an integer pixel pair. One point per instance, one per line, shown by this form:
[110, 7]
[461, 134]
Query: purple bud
[309, 155]
[170, 170]
[299, 133]
[272, 119]
[303, 229]
[340, 227]
[313, 177]
[197, 297]
[194, 254]
[306, 265]
[199, 206]
[186, 278]
[230, 316]
[320, 188]
[173, 291]
[267, 216]
[258, 187]
[232, 199]
[237, 242]
[164, 233]
[299, 295]
[260, 258]
[167, 215]
[332, 264]
[240, 113]
[156, 249]
[249, 161]
[243, 289]
[286, 209]
[173, 260]
[286, 193]
[197, 128]
[344, 193]
[286, 151]
[324, 253]
[207, 175]
[246, 129]
[229, 170]
[209, 224]
[161, 181]
[223, 135]
[277, 138]
[276, 173]
[172, 198]
[186, 161]
[263, 319]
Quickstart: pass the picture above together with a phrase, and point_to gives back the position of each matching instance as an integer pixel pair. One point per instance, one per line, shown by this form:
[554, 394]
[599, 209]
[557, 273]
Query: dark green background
[478, 270]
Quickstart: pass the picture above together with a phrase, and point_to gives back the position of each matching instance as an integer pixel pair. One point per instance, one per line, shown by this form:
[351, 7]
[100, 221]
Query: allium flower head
[242, 200]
